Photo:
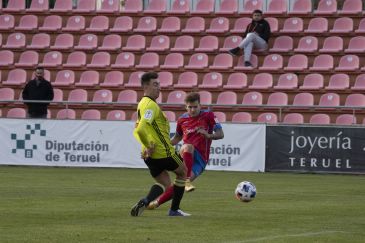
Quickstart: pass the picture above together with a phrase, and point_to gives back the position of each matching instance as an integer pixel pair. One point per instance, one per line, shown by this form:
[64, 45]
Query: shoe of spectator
[248, 64]
[234, 51]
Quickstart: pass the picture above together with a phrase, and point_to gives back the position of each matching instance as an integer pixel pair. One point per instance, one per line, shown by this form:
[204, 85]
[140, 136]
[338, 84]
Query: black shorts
[157, 166]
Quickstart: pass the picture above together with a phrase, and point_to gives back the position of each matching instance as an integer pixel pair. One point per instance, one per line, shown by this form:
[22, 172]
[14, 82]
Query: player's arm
[216, 135]
[176, 139]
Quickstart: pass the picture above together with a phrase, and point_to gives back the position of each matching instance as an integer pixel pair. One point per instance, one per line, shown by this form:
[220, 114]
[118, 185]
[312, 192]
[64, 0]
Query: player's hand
[148, 151]
[203, 132]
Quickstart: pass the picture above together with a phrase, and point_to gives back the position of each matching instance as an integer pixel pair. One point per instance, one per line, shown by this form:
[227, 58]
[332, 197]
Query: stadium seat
[28, 59]
[146, 24]
[343, 25]
[159, 43]
[40, 6]
[179, 7]
[184, 43]
[112, 42]
[267, 117]
[274, 24]
[276, 7]
[51, 23]
[122, 24]
[87, 42]
[241, 117]
[208, 43]
[27, 23]
[63, 41]
[236, 81]
[57, 95]
[220, 116]
[132, 7]
[1, 39]
[103, 95]
[303, 99]
[64, 6]
[356, 45]
[148, 60]
[198, 61]
[262, 81]
[176, 97]
[116, 115]
[135, 43]
[287, 81]
[348, 63]
[155, 7]
[282, 44]
[222, 61]
[16, 77]
[241, 67]
[89, 78]
[109, 7]
[186, 80]
[355, 100]
[359, 83]
[252, 98]
[16, 113]
[170, 115]
[7, 22]
[166, 79]
[134, 79]
[85, 7]
[301, 7]
[338, 81]
[351, 7]
[91, 114]
[66, 114]
[6, 58]
[346, 119]
[293, 118]
[76, 59]
[297, 62]
[15, 41]
[194, 25]
[173, 61]
[312, 81]
[124, 60]
[329, 99]
[77, 95]
[219, 25]
[227, 7]
[320, 119]
[15, 6]
[251, 5]
[170, 24]
[272, 62]
[113, 79]
[317, 25]
[99, 60]
[326, 7]
[227, 98]
[204, 7]
[307, 44]
[277, 99]
[240, 25]
[211, 80]
[332, 44]
[205, 97]
[75, 23]
[99, 24]
[359, 30]
[230, 42]
[64, 78]
[292, 25]
[52, 59]
[7, 94]
[323, 62]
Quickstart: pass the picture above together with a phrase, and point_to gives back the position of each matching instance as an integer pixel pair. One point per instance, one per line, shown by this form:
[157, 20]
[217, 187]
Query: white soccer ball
[245, 191]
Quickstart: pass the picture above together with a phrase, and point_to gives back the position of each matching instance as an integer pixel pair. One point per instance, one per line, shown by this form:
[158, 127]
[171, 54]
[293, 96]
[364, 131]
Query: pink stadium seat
[357, 100]
[109, 7]
[170, 115]
[166, 79]
[111, 42]
[159, 43]
[277, 99]
[148, 60]
[116, 115]
[348, 63]
[356, 45]
[222, 61]
[287, 81]
[38, 6]
[187, 79]
[16, 113]
[7, 94]
[134, 79]
[100, 60]
[85, 7]
[351, 7]
[75, 23]
[183, 43]
[64, 78]
[231, 42]
[250, 5]
[301, 7]
[267, 117]
[204, 7]
[320, 119]
[323, 62]
[132, 7]
[173, 61]
[16, 77]
[28, 59]
[52, 59]
[146, 24]
[326, 7]
[297, 62]
[227, 7]
[179, 7]
[211, 80]
[15, 41]
[91, 114]
[88, 78]
[113, 79]
[208, 43]
[359, 30]
[359, 83]
[236, 81]
[272, 62]
[124, 60]
[312, 81]
[346, 119]
[282, 44]
[63, 41]
[293, 118]
[227, 98]
[135, 43]
[303, 99]
[198, 61]
[98, 24]
[176, 97]
[219, 25]
[220, 116]
[57, 95]
[194, 25]
[317, 25]
[332, 44]
[338, 81]
[252, 98]
[1, 39]
[241, 67]
[122, 24]
[242, 117]
[15, 6]
[329, 99]
[307, 44]
[51, 23]
[156, 7]
[292, 25]
[170, 24]
[274, 24]
[64, 6]
[343, 25]
[6, 58]
[27, 23]
[7, 22]
[76, 59]
[240, 25]
[103, 95]
[205, 97]
[77, 95]
[276, 7]
[262, 81]
[87, 42]
[66, 114]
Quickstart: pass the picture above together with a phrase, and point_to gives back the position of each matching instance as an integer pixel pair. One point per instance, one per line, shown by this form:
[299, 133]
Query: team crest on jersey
[148, 114]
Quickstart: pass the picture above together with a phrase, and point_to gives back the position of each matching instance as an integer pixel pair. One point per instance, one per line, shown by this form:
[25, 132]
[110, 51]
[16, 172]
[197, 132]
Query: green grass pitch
[40, 204]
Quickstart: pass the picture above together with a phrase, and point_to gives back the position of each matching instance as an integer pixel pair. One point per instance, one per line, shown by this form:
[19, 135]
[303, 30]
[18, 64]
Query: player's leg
[187, 153]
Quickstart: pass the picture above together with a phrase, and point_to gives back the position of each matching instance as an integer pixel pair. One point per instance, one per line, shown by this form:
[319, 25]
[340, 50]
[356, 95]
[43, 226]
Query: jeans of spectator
[252, 41]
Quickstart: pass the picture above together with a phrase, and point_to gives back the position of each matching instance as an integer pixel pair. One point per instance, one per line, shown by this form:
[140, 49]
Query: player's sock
[155, 191]
[188, 160]
[166, 196]
[179, 189]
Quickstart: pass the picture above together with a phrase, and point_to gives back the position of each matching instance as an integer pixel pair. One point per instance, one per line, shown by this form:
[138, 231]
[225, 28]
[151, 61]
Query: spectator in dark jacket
[38, 89]
[256, 36]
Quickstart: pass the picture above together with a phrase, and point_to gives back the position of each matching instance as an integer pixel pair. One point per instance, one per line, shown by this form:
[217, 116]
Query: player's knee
[187, 148]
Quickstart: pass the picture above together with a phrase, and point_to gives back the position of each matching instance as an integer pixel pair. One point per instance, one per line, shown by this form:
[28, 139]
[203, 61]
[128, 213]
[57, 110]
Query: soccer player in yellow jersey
[152, 130]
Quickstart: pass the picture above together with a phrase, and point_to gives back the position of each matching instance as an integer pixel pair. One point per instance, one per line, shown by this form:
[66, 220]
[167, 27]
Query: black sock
[155, 191]
[179, 189]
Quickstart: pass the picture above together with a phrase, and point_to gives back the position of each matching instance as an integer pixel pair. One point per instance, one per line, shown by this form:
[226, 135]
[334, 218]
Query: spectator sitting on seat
[256, 36]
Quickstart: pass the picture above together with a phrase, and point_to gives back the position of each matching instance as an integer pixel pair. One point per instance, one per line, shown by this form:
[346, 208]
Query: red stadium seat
[38, 7]
[218, 25]
[208, 43]
[98, 24]
[89, 78]
[240, 25]
[346, 119]
[251, 5]
[155, 7]
[7, 94]
[227, 7]
[211, 80]
[242, 117]
[187, 79]
[194, 25]
[57, 95]
[159, 43]
[282, 44]
[16, 113]
[100, 60]
[320, 119]
[170, 115]
[146, 24]
[222, 61]
[252, 98]
[15, 6]
[267, 117]
[231, 42]
[170, 24]
[122, 24]
[220, 116]
[28, 59]
[301, 7]
[274, 24]
[312, 81]
[124, 60]
[272, 62]
[27, 23]
[338, 81]
[87, 42]
[75, 23]
[179, 7]
[85, 7]
[166, 79]
[66, 114]
[227, 98]
[77, 95]
[6, 58]
[64, 78]
[52, 59]
[7, 22]
[176, 97]
[307, 44]
[103, 95]
[148, 60]
[16, 77]
[113, 79]
[317, 25]
[132, 7]
[277, 7]
[326, 7]
[277, 99]
[287, 81]
[293, 118]
[359, 83]
[303, 99]
[348, 63]
[343, 25]
[236, 81]
[134, 79]
[205, 97]
[51, 23]
[116, 115]
[112, 42]
[109, 7]
[351, 7]
[198, 61]
[356, 45]
[323, 62]
[135, 43]
[15, 41]
[173, 61]
[329, 99]
[332, 44]
[76, 59]
[262, 81]
[359, 30]
[64, 6]
[356, 100]
[297, 62]
[241, 67]
[91, 114]
[292, 25]
[63, 41]
[204, 7]
[184, 43]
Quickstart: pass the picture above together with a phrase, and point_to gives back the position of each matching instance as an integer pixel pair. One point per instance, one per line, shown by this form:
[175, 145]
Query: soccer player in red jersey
[197, 128]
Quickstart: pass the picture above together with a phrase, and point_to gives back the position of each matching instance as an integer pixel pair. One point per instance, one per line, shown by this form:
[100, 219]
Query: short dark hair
[257, 11]
[192, 97]
[146, 77]
[39, 68]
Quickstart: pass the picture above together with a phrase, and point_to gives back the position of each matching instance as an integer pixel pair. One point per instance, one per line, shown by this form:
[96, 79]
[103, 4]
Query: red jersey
[187, 127]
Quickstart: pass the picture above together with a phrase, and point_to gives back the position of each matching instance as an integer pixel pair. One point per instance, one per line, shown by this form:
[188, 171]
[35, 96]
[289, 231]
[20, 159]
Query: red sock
[166, 196]
[188, 160]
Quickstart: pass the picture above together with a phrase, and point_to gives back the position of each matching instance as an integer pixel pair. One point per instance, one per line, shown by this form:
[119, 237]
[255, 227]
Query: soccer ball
[245, 191]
